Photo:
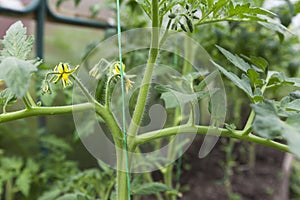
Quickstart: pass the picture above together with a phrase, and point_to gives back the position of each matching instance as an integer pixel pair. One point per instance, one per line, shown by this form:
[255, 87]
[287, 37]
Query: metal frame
[42, 11]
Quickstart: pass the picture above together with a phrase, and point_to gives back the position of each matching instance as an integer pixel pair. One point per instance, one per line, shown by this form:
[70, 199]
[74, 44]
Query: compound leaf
[235, 59]
[243, 84]
[269, 125]
[16, 43]
[16, 73]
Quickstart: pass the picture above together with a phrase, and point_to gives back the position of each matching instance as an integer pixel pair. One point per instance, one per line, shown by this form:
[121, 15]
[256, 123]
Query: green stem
[90, 98]
[252, 157]
[248, 126]
[185, 129]
[26, 103]
[38, 111]
[103, 112]
[9, 194]
[109, 190]
[30, 99]
[187, 67]
[117, 134]
[229, 167]
[153, 54]
[220, 20]
[161, 3]
[107, 91]
[189, 55]
[168, 177]
[122, 184]
[165, 35]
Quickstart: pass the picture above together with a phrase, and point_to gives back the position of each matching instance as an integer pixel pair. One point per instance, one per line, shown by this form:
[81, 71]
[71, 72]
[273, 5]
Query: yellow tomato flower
[63, 72]
[117, 71]
[116, 66]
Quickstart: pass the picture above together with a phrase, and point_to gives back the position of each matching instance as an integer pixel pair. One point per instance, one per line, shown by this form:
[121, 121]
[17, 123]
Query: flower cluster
[184, 18]
[117, 71]
[112, 70]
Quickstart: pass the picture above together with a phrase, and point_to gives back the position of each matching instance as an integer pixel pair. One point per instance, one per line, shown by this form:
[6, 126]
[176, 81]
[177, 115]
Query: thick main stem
[141, 102]
[122, 184]
[153, 53]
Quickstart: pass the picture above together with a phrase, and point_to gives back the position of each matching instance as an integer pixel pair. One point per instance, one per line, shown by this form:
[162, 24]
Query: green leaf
[206, 81]
[292, 133]
[54, 142]
[243, 84]
[266, 123]
[23, 182]
[210, 3]
[246, 9]
[162, 88]
[174, 98]
[113, 195]
[50, 195]
[252, 75]
[230, 127]
[258, 95]
[294, 105]
[279, 78]
[295, 94]
[235, 59]
[259, 62]
[294, 80]
[7, 97]
[13, 164]
[277, 27]
[68, 197]
[219, 5]
[16, 74]
[16, 43]
[150, 188]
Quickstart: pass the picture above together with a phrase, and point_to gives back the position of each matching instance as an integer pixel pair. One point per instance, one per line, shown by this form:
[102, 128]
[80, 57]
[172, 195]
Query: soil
[205, 178]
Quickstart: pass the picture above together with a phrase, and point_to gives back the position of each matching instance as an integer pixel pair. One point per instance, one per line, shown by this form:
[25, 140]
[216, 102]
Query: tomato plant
[271, 122]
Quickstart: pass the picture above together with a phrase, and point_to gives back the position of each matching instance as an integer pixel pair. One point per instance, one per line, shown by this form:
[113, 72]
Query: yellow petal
[117, 67]
[59, 76]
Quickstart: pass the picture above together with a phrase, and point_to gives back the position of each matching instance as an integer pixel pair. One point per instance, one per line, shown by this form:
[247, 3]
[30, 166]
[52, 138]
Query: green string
[123, 99]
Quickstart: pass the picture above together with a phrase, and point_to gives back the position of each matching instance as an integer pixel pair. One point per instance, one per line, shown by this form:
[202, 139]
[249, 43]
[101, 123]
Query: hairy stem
[122, 184]
[153, 54]
[107, 91]
[39, 111]
[90, 98]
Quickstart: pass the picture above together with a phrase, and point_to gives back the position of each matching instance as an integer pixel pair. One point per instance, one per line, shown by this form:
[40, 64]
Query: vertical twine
[123, 98]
